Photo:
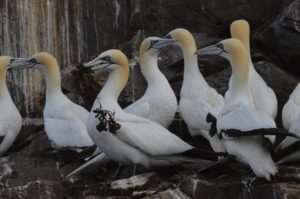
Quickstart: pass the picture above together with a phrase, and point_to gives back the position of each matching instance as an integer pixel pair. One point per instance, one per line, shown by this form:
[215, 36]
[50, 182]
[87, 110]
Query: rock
[31, 128]
[35, 190]
[25, 168]
[197, 188]
[212, 17]
[134, 183]
[282, 36]
[172, 193]
[80, 85]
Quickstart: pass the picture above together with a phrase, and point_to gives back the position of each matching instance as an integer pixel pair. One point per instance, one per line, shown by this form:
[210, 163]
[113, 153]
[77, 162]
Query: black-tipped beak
[216, 49]
[20, 63]
[162, 42]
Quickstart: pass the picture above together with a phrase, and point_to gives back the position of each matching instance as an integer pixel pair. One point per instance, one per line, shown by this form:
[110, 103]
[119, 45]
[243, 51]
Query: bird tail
[194, 155]
[98, 159]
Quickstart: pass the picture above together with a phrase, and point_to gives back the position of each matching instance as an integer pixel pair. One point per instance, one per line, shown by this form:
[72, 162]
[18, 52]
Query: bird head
[110, 60]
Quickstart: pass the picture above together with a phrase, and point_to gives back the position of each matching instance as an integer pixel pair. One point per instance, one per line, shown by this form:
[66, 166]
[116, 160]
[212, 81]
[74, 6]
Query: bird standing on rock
[240, 113]
[65, 121]
[138, 141]
[197, 98]
[158, 104]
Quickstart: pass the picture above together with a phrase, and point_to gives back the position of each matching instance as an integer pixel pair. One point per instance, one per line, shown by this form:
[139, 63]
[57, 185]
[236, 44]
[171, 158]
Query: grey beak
[162, 42]
[20, 63]
[216, 49]
[97, 62]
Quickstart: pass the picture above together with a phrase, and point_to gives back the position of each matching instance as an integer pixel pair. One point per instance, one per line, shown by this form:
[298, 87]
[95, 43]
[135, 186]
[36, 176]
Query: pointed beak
[216, 49]
[20, 63]
[162, 42]
[99, 63]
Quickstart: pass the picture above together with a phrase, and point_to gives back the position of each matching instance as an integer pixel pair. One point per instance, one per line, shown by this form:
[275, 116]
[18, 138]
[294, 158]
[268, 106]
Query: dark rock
[172, 193]
[30, 130]
[282, 36]
[35, 190]
[212, 17]
[80, 85]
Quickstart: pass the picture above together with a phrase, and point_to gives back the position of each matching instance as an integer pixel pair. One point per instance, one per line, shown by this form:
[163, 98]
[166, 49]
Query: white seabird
[263, 96]
[239, 113]
[197, 98]
[159, 103]
[10, 118]
[65, 121]
[291, 122]
[139, 141]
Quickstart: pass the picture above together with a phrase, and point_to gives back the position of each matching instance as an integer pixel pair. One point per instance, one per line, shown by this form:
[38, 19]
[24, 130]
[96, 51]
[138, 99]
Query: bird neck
[3, 87]
[53, 79]
[191, 69]
[115, 83]
[240, 78]
[150, 70]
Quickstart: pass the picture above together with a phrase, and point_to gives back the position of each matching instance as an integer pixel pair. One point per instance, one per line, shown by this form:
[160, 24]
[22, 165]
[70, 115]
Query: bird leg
[134, 170]
[119, 170]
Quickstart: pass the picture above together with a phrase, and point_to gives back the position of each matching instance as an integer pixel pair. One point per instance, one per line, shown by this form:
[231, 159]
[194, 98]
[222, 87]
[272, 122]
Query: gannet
[291, 122]
[10, 118]
[197, 98]
[139, 141]
[159, 103]
[65, 121]
[239, 112]
[263, 96]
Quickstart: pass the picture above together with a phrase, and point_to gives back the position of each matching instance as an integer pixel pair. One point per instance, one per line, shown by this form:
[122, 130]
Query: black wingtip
[203, 154]
[87, 152]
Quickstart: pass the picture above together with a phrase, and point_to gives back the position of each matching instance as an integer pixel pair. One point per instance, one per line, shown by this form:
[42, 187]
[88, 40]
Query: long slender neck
[3, 88]
[53, 79]
[246, 43]
[115, 84]
[150, 69]
[192, 76]
[240, 78]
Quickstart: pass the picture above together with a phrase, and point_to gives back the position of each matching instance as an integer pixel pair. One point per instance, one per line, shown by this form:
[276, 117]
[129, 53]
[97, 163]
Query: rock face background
[76, 30]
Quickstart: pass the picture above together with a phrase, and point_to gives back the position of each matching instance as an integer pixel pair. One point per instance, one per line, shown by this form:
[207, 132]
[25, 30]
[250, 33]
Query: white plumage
[138, 141]
[159, 103]
[197, 98]
[239, 112]
[291, 122]
[65, 121]
[263, 96]
[10, 118]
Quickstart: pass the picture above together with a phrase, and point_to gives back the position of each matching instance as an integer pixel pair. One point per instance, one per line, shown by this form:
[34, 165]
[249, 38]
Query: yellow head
[4, 62]
[183, 38]
[234, 51]
[110, 59]
[146, 45]
[240, 29]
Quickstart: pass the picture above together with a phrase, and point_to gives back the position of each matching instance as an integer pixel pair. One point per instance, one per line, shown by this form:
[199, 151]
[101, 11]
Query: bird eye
[33, 60]
[106, 58]
[152, 42]
[12, 60]
[221, 46]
